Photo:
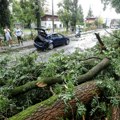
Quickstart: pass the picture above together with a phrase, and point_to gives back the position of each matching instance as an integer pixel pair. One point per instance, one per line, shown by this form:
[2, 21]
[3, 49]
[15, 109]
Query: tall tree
[90, 13]
[80, 16]
[38, 12]
[17, 12]
[65, 18]
[68, 13]
[65, 13]
[4, 13]
[74, 9]
[28, 11]
[99, 22]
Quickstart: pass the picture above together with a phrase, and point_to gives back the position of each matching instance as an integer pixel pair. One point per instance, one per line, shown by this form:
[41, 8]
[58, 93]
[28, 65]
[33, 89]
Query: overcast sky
[95, 5]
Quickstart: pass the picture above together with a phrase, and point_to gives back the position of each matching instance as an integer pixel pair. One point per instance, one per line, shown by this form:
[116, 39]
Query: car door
[61, 39]
[55, 39]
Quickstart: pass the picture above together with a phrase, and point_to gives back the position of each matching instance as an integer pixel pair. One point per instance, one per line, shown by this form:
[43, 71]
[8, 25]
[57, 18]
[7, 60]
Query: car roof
[54, 33]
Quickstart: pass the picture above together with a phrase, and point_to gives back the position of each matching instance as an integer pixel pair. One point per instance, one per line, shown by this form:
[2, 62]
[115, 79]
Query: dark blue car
[48, 41]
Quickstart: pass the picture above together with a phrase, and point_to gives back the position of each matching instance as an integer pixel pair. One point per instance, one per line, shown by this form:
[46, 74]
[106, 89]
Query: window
[49, 37]
[54, 35]
[55, 26]
[60, 25]
[60, 36]
[49, 19]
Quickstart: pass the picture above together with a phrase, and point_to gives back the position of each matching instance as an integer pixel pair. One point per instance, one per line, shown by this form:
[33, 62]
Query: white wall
[48, 24]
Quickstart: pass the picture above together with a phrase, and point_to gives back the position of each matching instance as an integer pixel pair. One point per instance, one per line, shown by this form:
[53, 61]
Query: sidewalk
[26, 44]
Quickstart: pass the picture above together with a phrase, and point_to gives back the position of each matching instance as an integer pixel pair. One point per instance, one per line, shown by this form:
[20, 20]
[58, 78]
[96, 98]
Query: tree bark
[94, 71]
[31, 85]
[56, 110]
[102, 46]
[115, 113]
[50, 81]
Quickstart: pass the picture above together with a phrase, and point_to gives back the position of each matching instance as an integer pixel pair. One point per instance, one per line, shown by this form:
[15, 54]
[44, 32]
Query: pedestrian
[78, 32]
[18, 34]
[8, 36]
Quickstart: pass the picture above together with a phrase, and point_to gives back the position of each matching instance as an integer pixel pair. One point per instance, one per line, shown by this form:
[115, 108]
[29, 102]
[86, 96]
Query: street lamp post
[52, 15]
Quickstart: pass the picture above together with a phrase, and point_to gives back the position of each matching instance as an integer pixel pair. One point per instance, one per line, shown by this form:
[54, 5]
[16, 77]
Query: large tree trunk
[50, 81]
[56, 110]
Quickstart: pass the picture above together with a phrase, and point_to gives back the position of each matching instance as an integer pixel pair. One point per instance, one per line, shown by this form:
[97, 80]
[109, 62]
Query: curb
[15, 48]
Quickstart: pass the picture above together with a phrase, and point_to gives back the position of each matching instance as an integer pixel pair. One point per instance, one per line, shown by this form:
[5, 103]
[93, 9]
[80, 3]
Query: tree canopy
[80, 16]
[90, 13]
[26, 11]
[70, 13]
[115, 4]
[64, 12]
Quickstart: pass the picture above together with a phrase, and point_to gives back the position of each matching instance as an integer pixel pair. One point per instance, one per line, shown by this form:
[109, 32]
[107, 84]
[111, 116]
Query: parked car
[48, 41]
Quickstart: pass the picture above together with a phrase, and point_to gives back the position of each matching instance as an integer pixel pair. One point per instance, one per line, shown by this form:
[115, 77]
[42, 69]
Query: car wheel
[51, 46]
[67, 42]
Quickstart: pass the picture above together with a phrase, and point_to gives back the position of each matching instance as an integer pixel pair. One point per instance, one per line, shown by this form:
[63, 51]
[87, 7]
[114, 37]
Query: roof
[91, 18]
[49, 15]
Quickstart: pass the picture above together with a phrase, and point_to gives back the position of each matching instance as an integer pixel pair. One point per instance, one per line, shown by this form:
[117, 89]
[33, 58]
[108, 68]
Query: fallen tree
[50, 81]
[71, 71]
[54, 107]
[82, 78]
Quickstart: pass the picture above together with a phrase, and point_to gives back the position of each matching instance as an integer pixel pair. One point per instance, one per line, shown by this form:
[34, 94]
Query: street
[84, 42]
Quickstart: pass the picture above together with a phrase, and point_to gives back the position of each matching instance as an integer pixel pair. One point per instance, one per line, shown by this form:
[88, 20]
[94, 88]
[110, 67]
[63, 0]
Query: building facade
[90, 20]
[46, 21]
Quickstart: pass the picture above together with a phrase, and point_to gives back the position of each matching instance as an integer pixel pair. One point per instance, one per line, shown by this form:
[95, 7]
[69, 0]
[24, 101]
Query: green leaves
[81, 109]
[115, 4]
[98, 106]
[70, 13]
[18, 71]
[25, 11]
[4, 104]
[111, 91]
[90, 13]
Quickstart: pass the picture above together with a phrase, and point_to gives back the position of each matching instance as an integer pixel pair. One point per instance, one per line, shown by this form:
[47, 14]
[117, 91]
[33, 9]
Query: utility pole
[52, 16]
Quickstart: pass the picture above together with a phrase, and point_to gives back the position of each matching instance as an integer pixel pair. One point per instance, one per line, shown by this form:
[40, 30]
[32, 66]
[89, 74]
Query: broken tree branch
[102, 46]
[50, 81]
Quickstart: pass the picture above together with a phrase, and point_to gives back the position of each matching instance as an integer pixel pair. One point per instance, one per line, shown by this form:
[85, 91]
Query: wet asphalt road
[84, 42]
